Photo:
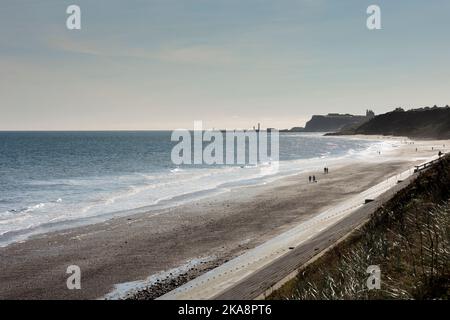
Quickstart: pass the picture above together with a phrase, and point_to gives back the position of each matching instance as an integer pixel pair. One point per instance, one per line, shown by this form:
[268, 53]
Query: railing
[426, 165]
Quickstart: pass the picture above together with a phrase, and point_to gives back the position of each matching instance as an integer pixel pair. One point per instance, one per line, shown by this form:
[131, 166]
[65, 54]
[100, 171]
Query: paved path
[253, 273]
[259, 283]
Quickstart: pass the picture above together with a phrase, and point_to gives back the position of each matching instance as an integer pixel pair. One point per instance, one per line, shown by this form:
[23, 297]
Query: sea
[56, 180]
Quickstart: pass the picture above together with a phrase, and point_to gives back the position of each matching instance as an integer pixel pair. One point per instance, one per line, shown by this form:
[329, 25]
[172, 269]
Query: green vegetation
[416, 123]
[408, 238]
[333, 122]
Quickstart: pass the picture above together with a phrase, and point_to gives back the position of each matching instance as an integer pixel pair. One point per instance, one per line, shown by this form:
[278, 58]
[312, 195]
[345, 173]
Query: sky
[162, 64]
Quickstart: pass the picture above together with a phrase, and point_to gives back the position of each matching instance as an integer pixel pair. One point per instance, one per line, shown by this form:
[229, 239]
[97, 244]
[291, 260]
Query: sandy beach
[200, 235]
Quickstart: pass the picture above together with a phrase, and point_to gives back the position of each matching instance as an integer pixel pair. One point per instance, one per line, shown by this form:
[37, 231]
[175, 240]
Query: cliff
[333, 122]
[416, 123]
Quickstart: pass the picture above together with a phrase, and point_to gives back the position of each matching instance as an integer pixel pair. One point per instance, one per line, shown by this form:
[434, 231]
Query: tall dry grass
[408, 239]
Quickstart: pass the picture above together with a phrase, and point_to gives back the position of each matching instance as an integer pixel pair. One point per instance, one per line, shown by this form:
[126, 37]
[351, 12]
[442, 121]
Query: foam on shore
[157, 191]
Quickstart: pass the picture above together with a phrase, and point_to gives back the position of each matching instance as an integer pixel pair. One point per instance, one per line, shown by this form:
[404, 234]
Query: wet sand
[221, 227]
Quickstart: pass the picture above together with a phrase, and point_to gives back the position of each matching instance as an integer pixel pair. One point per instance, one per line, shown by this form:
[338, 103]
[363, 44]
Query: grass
[408, 238]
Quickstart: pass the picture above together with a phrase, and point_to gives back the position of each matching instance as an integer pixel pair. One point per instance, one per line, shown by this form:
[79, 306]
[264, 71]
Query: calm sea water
[58, 179]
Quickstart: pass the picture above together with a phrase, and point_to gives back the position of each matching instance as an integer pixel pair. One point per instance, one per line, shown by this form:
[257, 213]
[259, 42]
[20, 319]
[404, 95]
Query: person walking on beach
[314, 179]
[309, 179]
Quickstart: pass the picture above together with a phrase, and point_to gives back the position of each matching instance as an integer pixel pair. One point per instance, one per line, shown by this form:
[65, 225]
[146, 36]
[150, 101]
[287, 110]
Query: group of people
[313, 178]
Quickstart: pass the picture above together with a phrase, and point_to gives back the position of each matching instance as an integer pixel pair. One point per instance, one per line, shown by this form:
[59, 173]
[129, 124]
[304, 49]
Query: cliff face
[418, 123]
[333, 122]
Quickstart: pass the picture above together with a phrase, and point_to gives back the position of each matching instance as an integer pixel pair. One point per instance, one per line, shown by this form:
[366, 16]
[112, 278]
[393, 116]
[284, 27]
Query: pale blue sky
[161, 64]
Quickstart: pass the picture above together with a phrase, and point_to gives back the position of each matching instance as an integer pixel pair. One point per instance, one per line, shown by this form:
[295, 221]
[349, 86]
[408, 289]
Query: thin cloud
[194, 54]
[200, 54]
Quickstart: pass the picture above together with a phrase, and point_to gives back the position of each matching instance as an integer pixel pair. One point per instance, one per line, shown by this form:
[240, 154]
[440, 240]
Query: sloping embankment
[408, 238]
